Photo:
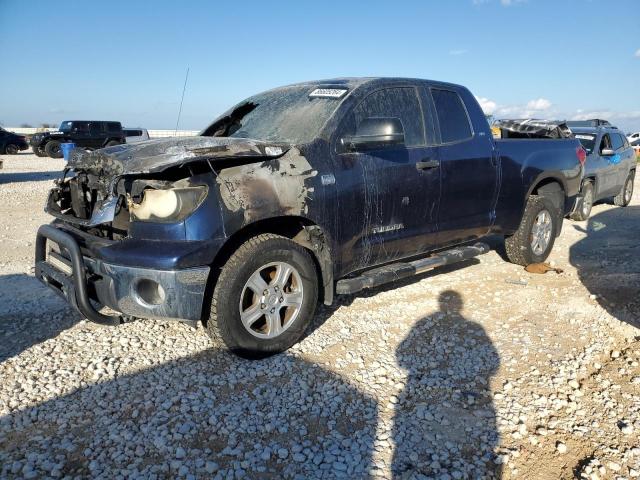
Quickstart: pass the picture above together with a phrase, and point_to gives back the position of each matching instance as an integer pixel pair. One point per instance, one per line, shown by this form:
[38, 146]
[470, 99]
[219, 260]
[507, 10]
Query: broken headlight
[171, 205]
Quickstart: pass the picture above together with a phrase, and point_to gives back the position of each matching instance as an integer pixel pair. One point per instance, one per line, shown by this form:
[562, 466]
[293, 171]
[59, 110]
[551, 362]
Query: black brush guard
[72, 288]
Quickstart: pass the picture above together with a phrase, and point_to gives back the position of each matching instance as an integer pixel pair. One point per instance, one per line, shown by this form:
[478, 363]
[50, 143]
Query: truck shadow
[212, 413]
[6, 178]
[29, 314]
[280, 417]
[607, 260]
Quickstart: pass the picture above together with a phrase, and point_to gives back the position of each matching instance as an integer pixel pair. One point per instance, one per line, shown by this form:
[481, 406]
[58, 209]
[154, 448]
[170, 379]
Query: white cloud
[637, 54]
[488, 106]
[460, 51]
[539, 104]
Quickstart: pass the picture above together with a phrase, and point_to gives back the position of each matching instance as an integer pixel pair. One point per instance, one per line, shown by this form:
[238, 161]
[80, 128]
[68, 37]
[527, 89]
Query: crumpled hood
[157, 155]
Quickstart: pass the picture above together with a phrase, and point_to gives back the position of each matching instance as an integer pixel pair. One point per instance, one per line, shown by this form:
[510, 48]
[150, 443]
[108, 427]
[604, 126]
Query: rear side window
[452, 116]
[133, 133]
[616, 140]
[113, 127]
[625, 142]
[401, 103]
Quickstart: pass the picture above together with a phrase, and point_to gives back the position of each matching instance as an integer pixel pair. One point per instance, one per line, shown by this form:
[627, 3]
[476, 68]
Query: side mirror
[607, 152]
[376, 132]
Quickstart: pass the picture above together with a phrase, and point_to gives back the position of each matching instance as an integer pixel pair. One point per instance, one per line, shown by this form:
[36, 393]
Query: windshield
[289, 115]
[65, 126]
[587, 141]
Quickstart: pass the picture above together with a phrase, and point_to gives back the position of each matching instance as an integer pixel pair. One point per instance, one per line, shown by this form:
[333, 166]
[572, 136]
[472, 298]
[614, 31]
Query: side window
[113, 127]
[80, 127]
[452, 116]
[605, 142]
[616, 140]
[96, 128]
[625, 141]
[401, 102]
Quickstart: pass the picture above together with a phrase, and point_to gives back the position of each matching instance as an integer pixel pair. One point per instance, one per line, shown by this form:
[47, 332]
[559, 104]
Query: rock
[561, 447]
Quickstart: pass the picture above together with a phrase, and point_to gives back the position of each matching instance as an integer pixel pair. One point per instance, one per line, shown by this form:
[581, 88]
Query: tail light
[581, 154]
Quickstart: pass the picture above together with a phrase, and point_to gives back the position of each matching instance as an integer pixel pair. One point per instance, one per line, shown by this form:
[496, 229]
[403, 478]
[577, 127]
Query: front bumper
[132, 291]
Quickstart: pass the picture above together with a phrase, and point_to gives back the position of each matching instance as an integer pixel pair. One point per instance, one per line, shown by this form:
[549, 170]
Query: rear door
[389, 200]
[624, 156]
[469, 171]
[98, 134]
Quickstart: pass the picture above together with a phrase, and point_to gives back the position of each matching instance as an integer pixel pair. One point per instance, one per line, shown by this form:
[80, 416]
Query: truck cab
[293, 196]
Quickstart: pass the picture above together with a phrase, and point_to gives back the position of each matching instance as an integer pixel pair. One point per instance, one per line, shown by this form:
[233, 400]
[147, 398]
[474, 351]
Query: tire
[586, 203]
[626, 194]
[263, 257]
[520, 246]
[11, 149]
[112, 143]
[39, 151]
[52, 148]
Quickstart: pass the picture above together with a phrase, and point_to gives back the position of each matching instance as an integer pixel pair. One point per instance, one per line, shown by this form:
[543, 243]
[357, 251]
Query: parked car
[11, 143]
[632, 137]
[609, 170]
[135, 135]
[636, 146]
[296, 195]
[594, 122]
[86, 134]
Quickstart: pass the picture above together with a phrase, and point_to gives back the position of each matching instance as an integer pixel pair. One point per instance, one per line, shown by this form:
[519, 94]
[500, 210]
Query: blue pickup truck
[294, 196]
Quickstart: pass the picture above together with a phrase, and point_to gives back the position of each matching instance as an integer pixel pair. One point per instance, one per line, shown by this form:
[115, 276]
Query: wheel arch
[554, 189]
[301, 230]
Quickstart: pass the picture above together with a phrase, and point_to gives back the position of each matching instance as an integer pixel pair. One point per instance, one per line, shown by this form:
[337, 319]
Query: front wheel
[624, 197]
[53, 149]
[265, 297]
[536, 234]
[39, 152]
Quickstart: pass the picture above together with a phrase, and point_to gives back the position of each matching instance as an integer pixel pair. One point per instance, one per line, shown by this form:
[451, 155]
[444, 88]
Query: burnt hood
[157, 155]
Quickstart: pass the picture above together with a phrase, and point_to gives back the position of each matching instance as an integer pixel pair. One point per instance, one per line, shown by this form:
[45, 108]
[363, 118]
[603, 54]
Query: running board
[396, 271]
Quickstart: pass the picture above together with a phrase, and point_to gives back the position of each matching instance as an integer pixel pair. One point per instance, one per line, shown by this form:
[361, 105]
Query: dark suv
[86, 134]
[11, 143]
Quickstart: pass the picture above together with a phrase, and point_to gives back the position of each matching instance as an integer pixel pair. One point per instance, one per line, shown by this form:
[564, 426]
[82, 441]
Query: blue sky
[126, 60]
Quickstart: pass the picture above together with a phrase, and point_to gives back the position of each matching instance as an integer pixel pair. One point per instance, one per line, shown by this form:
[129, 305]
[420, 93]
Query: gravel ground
[477, 371]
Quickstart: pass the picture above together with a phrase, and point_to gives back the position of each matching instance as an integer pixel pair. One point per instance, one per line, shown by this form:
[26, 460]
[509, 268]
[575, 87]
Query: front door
[388, 197]
[469, 172]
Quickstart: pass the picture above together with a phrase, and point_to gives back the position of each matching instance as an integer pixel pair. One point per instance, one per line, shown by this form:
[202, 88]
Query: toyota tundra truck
[292, 197]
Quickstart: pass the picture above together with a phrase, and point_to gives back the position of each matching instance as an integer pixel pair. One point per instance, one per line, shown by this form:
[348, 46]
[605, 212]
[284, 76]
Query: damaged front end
[132, 231]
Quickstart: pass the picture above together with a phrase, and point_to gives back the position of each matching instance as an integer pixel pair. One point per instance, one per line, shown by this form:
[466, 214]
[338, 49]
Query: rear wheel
[586, 203]
[536, 234]
[265, 297]
[624, 197]
[53, 149]
[11, 149]
[111, 143]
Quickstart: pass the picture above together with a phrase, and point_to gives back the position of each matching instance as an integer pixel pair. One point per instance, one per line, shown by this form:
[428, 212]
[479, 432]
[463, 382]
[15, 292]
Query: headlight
[170, 205]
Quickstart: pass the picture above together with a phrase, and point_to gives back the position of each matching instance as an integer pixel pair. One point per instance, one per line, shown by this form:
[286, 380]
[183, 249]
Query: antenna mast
[184, 88]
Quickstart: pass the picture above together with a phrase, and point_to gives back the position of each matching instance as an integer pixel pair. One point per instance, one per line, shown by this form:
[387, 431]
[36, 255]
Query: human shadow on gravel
[30, 313]
[6, 178]
[204, 415]
[608, 261]
[444, 420]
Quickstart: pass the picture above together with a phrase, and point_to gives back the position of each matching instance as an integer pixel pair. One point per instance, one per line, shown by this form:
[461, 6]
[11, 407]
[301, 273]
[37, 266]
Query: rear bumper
[131, 291]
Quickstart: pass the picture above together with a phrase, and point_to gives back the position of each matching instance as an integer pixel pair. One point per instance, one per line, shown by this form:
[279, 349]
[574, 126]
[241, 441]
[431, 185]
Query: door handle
[426, 164]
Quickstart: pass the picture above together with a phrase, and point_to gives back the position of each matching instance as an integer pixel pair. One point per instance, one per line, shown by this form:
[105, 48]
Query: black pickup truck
[86, 134]
[296, 195]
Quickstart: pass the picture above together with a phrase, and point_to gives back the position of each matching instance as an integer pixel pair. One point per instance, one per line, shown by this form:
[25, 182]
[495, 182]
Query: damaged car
[292, 197]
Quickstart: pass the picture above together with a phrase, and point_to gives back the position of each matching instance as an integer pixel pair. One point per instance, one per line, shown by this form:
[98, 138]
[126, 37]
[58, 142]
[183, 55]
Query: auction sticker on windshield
[328, 92]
